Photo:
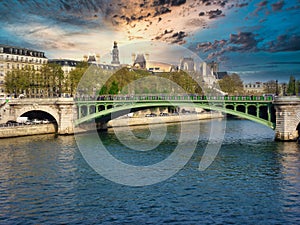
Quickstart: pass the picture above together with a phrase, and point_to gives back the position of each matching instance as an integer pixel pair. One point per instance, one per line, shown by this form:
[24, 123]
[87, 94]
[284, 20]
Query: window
[8, 65]
[1, 50]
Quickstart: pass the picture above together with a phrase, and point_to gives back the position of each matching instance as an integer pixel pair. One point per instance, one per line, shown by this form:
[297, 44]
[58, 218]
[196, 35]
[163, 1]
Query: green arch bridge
[259, 109]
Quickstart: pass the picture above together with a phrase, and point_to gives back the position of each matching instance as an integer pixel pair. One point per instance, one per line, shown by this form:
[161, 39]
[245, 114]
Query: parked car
[45, 121]
[28, 122]
[151, 115]
[36, 121]
[163, 114]
[11, 122]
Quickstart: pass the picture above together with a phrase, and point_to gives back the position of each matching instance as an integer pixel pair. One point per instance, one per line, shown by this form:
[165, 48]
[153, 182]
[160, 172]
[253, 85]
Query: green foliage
[76, 75]
[46, 82]
[143, 82]
[271, 87]
[114, 88]
[232, 84]
[292, 87]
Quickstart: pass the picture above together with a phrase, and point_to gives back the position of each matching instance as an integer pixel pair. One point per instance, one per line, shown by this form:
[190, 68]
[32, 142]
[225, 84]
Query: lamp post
[284, 89]
[294, 86]
[276, 87]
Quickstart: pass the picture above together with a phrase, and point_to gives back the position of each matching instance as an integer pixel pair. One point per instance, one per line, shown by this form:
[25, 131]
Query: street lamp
[294, 86]
[284, 89]
[276, 87]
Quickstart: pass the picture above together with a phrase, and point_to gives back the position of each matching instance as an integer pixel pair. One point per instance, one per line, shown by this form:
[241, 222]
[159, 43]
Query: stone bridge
[281, 113]
[57, 110]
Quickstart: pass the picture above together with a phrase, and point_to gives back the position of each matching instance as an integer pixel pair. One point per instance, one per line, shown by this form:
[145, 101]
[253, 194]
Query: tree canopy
[232, 84]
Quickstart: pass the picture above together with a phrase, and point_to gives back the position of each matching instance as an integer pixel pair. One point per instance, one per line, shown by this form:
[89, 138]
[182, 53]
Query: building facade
[12, 58]
[115, 54]
[254, 88]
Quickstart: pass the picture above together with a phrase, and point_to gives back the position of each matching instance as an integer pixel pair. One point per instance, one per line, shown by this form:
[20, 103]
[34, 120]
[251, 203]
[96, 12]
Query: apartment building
[12, 57]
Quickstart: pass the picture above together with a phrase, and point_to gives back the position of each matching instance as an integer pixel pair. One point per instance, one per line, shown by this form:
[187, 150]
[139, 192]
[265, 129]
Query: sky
[257, 39]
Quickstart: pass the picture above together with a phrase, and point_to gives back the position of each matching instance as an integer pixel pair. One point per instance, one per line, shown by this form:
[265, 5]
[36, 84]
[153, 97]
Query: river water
[253, 180]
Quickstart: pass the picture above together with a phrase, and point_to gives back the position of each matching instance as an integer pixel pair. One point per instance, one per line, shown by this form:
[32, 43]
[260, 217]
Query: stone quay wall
[27, 130]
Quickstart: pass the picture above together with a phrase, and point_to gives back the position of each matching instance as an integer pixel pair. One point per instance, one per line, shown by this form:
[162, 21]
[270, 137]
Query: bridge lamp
[294, 89]
[284, 89]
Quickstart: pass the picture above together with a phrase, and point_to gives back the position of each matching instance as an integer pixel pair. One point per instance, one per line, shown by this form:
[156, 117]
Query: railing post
[79, 112]
[257, 110]
[269, 112]
[88, 110]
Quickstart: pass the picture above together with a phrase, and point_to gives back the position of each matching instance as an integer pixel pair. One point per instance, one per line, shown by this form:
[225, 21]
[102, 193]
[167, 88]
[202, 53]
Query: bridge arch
[43, 110]
[298, 128]
[122, 110]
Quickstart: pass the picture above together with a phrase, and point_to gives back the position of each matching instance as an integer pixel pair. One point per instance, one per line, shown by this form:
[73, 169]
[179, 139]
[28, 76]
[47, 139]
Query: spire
[115, 54]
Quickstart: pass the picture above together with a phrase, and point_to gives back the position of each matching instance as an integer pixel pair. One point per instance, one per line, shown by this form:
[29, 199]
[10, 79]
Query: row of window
[18, 51]
[20, 66]
[23, 59]
[252, 86]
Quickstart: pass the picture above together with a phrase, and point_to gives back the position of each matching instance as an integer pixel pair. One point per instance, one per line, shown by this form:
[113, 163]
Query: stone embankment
[136, 121]
[27, 130]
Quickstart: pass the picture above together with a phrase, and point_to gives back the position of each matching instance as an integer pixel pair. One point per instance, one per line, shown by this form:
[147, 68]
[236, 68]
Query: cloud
[278, 5]
[240, 42]
[248, 42]
[284, 43]
[260, 6]
[243, 41]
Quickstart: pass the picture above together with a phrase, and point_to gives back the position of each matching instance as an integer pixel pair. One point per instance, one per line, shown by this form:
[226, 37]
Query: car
[28, 122]
[36, 121]
[12, 122]
[163, 114]
[45, 121]
[151, 115]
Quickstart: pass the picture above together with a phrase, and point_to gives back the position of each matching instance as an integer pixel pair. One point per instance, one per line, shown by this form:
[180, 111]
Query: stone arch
[44, 109]
[298, 129]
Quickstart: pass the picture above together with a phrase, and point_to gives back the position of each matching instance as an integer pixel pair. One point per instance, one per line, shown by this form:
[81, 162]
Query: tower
[115, 54]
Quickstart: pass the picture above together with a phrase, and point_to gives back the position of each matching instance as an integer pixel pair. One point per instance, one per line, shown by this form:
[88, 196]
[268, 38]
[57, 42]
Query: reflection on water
[44, 180]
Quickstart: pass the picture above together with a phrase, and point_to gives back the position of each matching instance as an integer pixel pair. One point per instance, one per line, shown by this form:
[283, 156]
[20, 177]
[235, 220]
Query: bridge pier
[66, 111]
[287, 118]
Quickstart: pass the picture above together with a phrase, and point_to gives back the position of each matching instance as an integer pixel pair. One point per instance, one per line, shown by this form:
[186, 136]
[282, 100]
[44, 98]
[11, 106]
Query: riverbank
[27, 130]
[126, 121]
[137, 121]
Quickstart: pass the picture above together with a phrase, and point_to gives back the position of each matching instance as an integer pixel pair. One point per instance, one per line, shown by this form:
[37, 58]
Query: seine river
[253, 180]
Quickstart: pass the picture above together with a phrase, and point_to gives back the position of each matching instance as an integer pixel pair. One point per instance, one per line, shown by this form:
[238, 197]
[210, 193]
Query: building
[67, 65]
[12, 57]
[187, 64]
[139, 61]
[115, 54]
[254, 88]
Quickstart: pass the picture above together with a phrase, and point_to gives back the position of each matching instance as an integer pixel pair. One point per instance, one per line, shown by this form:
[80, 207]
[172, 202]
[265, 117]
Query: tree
[292, 88]
[232, 84]
[114, 88]
[76, 75]
[271, 87]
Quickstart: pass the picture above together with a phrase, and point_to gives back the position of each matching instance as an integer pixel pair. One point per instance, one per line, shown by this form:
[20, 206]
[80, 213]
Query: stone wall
[27, 130]
[287, 118]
